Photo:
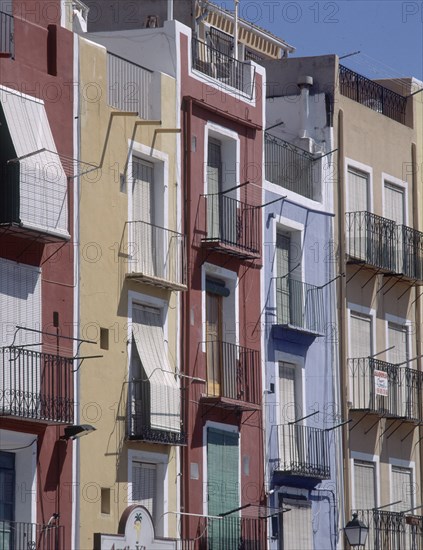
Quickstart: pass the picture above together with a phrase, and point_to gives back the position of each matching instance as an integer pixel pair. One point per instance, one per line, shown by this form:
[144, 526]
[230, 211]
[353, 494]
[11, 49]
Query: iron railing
[381, 243]
[129, 86]
[372, 95]
[232, 223]
[291, 167]
[26, 536]
[299, 304]
[139, 415]
[233, 372]
[156, 252]
[222, 67]
[392, 530]
[36, 385]
[385, 388]
[7, 45]
[228, 533]
[303, 451]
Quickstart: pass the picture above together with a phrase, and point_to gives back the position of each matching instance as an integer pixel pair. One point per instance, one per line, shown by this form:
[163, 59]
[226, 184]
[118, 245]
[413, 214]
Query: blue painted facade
[299, 325]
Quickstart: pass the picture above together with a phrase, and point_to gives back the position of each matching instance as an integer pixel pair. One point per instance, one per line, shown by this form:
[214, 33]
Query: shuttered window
[164, 392]
[143, 191]
[283, 244]
[397, 337]
[360, 335]
[364, 485]
[287, 393]
[214, 183]
[358, 191]
[297, 527]
[394, 203]
[144, 485]
[402, 488]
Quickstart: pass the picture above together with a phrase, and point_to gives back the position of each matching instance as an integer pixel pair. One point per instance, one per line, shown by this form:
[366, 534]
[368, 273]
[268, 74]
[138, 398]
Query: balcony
[229, 533]
[299, 305]
[129, 86]
[381, 243]
[392, 530]
[372, 95]
[233, 226]
[291, 167]
[155, 256]
[7, 48]
[21, 536]
[233, 376]
[385, 389]
[150, 418]
[223, 68]
[36, 386]
[303, 451]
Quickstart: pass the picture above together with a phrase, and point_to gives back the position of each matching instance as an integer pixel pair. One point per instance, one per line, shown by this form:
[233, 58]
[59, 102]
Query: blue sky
[389, 33]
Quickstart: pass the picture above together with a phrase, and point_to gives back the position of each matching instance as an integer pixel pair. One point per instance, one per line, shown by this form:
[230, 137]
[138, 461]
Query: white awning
[165, 413]
[43, 183]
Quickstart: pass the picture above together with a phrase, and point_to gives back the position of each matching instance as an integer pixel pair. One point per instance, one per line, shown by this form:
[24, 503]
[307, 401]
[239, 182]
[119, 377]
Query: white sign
[136, 532]
[381, 383]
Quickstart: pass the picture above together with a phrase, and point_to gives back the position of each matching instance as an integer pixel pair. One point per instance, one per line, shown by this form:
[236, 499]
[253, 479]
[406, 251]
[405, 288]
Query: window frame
[365, 312]
[359, 167]
[405, 464]
[400, 184]
[364, 457]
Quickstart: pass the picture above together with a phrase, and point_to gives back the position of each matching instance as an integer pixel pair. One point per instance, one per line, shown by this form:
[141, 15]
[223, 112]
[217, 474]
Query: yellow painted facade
[109, 138]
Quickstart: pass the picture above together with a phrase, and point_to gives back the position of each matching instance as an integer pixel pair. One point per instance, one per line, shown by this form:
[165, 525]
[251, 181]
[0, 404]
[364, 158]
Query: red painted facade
[42, 66]
[204, 103]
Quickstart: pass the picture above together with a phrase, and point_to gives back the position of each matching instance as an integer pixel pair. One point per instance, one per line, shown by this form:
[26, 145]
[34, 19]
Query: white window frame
[299, 363]
[400, 463]
[227, 428]
[161, 460]
[229, 140]
[365, 169]
[368, 312]
[365, 457]
[231, 306]
[396, 182]
[389, 318]
[25, 472]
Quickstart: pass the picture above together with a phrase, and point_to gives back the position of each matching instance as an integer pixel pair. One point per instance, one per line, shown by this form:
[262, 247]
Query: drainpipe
[170, 10]
[236, 30]
[304, 83]
[342, 311]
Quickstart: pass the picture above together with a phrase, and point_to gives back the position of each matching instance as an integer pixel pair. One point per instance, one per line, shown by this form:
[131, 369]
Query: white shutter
[358, 185]
[364, 485]
[164, 391]
[287, 400]
[402, 489]
[297, 527]
[397, 336]
[144, 485]
[360, 335]
[143, 191]
[214, 174]
[283, 244]
[394, 203]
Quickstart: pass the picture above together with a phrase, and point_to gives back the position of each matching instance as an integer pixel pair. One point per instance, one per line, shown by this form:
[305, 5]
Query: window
[360, 335]
[155, 393]
[214, 337]
[144, 481]
[398, 338]
[358, 191]
[402, 489]
[364, 485]
[394, 203]
[290, 409]
[297, 525]
[290, 298]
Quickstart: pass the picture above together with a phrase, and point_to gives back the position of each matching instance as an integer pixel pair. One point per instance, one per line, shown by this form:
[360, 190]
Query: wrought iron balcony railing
[385, 388]
[141, 425]
[129, 86]
[232, 226]
[303, 451]
[156, 255]
[220, 66]
[22, 536]
[291, 167]
[372, 95]
[229, 533]
[381, 243]
[233, 372]
[36, 386]
[392, 530]
[299, 305]
[6, 35]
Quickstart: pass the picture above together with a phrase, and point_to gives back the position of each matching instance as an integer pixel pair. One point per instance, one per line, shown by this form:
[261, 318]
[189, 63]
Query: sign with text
[381, 383]
[136, 532]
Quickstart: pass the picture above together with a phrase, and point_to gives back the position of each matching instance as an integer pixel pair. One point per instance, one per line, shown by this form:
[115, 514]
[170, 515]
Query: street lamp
[356, 532]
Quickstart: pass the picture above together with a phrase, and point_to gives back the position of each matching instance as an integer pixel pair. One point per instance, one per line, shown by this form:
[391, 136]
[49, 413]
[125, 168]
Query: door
[395, 211]
[144, 486]
[146, 244]
[214, 185]
[404, 397]
[7, 499]
[289, 410]
[214, 343]
[360, 366]
[358, 230]
[283, 305]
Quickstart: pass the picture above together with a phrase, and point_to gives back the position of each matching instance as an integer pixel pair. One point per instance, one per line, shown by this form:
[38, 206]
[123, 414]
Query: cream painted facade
[111, 138]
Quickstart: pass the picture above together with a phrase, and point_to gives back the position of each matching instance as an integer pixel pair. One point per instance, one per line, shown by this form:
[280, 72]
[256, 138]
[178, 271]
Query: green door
[223, 488]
